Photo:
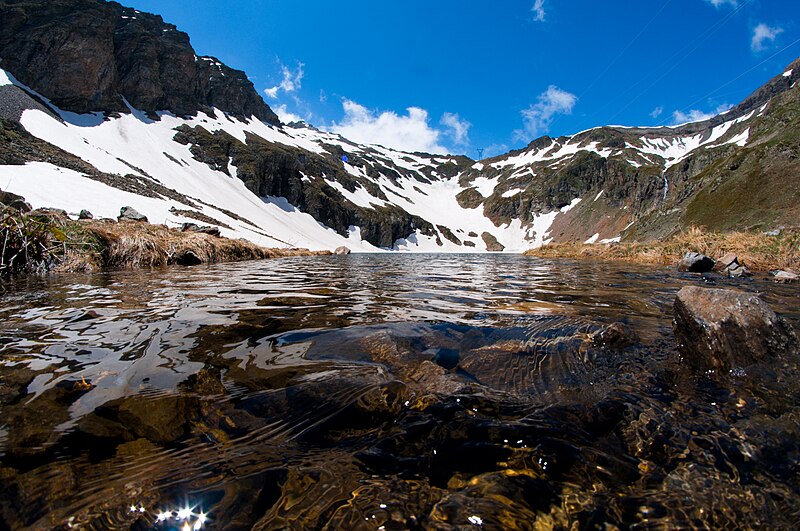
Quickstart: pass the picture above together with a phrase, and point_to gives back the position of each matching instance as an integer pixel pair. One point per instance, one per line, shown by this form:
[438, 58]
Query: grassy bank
[760, 252]
[41, 241]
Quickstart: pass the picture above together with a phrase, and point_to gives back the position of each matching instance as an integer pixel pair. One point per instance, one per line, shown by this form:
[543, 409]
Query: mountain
[102, 106]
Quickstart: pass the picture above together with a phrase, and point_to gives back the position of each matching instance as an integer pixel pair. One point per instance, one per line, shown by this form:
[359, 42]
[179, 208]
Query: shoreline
[757, 251]
[48, 240]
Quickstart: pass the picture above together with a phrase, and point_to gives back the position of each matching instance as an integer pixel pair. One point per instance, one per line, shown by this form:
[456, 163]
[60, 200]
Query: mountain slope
[211, 150]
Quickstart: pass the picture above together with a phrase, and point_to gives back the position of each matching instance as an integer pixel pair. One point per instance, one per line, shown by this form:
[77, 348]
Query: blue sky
[458, 75]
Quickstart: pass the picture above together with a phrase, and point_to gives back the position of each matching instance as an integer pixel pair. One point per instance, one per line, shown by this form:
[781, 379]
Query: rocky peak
[92, 55]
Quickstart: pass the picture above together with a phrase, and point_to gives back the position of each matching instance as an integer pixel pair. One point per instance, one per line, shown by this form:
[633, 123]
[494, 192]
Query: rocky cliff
[92, 55]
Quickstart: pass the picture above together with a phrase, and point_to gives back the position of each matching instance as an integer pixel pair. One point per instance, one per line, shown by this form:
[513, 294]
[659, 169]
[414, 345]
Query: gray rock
[85, 214]
[341, 250]
[695, 263]
[205, 229]
[786, 277]
[720, 329]
[725, 262]
[128, 213]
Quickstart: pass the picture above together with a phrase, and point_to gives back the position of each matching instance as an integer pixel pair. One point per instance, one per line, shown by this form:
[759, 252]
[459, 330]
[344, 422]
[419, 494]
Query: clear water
[394, 392]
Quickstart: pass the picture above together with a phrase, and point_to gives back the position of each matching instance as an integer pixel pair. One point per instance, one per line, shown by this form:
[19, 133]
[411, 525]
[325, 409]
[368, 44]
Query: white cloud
[763, 33]
[538, 117]
[695, 115]
[538, 10]
[658, 111]
[410, 132]
[292, 81]
[720, 3]
[285, 116]
[457, 128]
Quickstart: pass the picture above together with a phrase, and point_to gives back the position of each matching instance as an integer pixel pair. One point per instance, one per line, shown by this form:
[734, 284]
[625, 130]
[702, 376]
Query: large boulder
[128, 213]
[341, 250]
[695, 263]
[730, 265]
[786, 277]
[720, 329]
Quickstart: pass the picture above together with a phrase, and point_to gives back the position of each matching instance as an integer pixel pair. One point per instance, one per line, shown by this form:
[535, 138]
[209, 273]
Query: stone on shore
[721, 329]
[341, 251]
[786, 277]
[85, 214]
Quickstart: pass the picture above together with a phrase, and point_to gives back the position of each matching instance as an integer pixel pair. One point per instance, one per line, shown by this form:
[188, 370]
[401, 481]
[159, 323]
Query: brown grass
[98, 245]
[757, 251]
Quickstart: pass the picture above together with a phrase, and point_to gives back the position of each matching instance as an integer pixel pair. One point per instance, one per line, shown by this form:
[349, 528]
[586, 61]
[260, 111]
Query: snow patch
[788, 73]
[513, 192]
[593, 239]
[598, 196]
[485, 186]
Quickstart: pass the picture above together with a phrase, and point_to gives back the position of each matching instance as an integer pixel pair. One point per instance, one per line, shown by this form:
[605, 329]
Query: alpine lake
[384, 392]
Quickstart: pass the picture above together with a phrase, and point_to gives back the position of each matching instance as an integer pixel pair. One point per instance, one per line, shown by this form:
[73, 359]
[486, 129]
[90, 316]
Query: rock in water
[719, 329]
[695, 263]
[341, 250]
[131, 214]
[786, 277]
[85, 214]
[730, 265]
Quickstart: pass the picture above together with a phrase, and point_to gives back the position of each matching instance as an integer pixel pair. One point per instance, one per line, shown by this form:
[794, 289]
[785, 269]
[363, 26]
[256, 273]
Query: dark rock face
[87, 55]
[14, 201]
[696, 263]
[719, 329]
[491, 243]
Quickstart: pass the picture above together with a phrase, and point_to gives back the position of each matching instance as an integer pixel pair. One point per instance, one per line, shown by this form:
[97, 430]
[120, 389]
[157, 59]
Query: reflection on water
[370, 392]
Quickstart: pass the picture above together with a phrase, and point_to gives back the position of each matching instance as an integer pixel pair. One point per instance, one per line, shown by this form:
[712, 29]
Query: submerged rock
[341, 250]
[720, 329]
[695, 263]
[128, 213]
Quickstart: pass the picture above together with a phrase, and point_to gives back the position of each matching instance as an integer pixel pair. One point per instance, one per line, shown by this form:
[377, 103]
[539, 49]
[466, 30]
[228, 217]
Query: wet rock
[205, 383]
[14, 201]
[341, 250]
[85, 214]
[725, 262]
[729, 265]
[719, 329]
[695, 263]
[188, 258]
[128, 213]
[786, 277]
[159, 420]
[615, 336]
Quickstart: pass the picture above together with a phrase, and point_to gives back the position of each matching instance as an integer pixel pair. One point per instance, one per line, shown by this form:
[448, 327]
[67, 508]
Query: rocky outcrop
[341, 251]
[721, 329]
[92, 55]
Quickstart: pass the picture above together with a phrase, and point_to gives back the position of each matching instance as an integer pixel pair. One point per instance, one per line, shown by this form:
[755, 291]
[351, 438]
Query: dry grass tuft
[757, 251]
[133, 245]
